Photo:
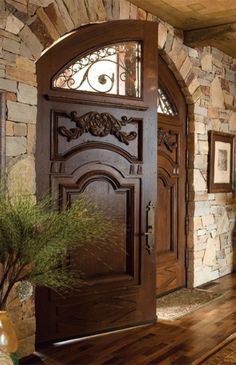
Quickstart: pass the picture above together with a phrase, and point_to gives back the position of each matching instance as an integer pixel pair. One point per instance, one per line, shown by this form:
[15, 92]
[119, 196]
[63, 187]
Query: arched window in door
[164, 103]
[113, 69]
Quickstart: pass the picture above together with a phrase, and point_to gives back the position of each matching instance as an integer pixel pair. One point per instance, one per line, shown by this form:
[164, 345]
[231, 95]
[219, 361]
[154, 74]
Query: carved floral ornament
[99, 125]
[166, 138]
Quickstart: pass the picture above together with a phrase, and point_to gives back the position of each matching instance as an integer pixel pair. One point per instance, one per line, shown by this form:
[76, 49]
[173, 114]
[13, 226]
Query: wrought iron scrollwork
[166, 138]
[165, 104]
[105, 70]
[99, 125]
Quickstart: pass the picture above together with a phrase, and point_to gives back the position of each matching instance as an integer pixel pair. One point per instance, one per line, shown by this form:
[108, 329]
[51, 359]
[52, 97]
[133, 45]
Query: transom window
[165, 104]
[114, 69]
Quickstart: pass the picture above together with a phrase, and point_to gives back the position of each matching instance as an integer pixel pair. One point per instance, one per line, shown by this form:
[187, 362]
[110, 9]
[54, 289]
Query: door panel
[171, 210]
[99, 143]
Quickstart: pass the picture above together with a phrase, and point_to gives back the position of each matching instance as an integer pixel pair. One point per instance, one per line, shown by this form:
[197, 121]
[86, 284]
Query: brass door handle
[150, 228]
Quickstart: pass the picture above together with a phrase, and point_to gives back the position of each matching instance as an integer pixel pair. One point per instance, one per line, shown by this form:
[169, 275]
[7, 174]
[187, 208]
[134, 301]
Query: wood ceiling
[204, 22]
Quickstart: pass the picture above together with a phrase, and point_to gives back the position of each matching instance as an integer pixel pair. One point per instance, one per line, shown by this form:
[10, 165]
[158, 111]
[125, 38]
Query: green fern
[35, 240]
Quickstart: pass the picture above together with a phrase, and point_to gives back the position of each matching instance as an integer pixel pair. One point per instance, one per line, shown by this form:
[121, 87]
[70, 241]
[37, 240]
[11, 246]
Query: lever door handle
[150, 228]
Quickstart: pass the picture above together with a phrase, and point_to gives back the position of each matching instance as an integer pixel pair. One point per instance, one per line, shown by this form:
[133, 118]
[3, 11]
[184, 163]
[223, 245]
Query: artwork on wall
[220, 162]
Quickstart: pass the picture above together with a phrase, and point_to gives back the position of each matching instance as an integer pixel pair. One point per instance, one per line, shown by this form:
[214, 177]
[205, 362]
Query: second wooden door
[171, 203]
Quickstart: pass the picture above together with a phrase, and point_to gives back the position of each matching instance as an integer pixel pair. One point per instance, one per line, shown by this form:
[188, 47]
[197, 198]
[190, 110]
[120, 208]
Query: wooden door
[96, 133]
[171, 204]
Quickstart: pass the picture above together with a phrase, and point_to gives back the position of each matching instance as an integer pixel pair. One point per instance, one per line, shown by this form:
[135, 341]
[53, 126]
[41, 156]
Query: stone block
[178, 55]
[26, 346]
[230, 75]
[20, 129]
[201, 232]
[169, 42]
[206, 62]
[31, 139]
[214, 124]
[15, 146]
[11, 46]
[10, 96]
[193, 53]
[27, 94]
[53, 14]
[19, 74]
[200, 161]
[2, 72]
[8, 85]
[203, 147]
[193, 85]
[201, 208]
[162, 35]
[216, 93]
[208, 220]
[212, 112]
[133, 13]
[78, 12]
[232, 122]
[228, 98]
[31, 41]
[65, 15]
[200, 128]
[19, 112]
[52, 31]
[142, 14]
[186, 68]
[197, 223]
[25, 328]
[13, 24]
[22, 175]
[25, 51]
[199, 182]
[26, 64]
[3, 18]
[200, 110]
[223, 224]
[9, 128]
[125, 9]
[220, 254]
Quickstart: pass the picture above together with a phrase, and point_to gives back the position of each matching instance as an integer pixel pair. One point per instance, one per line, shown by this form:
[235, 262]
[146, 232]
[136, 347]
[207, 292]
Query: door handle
[150, 228]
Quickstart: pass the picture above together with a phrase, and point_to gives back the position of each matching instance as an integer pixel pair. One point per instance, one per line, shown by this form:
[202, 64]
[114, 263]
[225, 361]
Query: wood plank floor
[179, 342]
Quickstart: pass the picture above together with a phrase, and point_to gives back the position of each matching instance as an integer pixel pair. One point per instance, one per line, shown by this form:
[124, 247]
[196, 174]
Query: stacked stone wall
[206, 77]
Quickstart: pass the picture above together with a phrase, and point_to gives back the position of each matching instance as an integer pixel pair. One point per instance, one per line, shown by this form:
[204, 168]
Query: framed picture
[221, 162]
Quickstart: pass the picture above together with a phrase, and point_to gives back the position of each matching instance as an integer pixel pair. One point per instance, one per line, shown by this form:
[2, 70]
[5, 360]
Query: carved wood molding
[99, 125]
[165, 138]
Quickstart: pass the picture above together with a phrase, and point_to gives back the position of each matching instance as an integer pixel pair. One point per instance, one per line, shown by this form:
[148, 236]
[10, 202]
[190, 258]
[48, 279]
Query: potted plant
[34, 244]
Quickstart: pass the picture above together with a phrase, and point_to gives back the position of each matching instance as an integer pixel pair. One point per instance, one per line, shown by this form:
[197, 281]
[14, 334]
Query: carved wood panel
[103, 145]
[115, 257]
[71, 133]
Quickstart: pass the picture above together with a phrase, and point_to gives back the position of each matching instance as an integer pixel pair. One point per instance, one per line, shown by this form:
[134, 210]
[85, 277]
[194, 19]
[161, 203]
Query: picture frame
[220, 162]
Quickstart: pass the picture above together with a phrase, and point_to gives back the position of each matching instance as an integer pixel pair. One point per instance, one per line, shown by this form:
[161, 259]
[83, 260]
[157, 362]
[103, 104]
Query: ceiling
[205, 22]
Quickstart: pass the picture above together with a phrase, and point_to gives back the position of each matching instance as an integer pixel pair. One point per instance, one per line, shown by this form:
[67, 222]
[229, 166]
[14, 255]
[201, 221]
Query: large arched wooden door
[96, 132]
[171, 204]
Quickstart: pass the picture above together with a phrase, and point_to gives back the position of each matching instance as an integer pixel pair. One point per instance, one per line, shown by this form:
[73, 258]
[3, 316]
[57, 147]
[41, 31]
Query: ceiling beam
[222, 37]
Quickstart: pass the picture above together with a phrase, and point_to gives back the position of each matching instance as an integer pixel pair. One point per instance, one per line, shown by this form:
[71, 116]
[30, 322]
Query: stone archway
[30, 29]
[206, 77]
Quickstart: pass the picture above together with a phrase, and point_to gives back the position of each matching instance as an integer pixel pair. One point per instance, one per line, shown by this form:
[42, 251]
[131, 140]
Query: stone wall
[206, 77]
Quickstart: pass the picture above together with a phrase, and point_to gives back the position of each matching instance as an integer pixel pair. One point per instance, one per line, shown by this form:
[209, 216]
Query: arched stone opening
[206, 78]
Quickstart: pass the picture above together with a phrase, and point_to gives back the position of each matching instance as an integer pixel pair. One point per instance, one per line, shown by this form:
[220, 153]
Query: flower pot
[8, 340]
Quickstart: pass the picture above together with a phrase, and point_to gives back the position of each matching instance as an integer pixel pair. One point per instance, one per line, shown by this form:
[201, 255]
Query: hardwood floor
[179, 342]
